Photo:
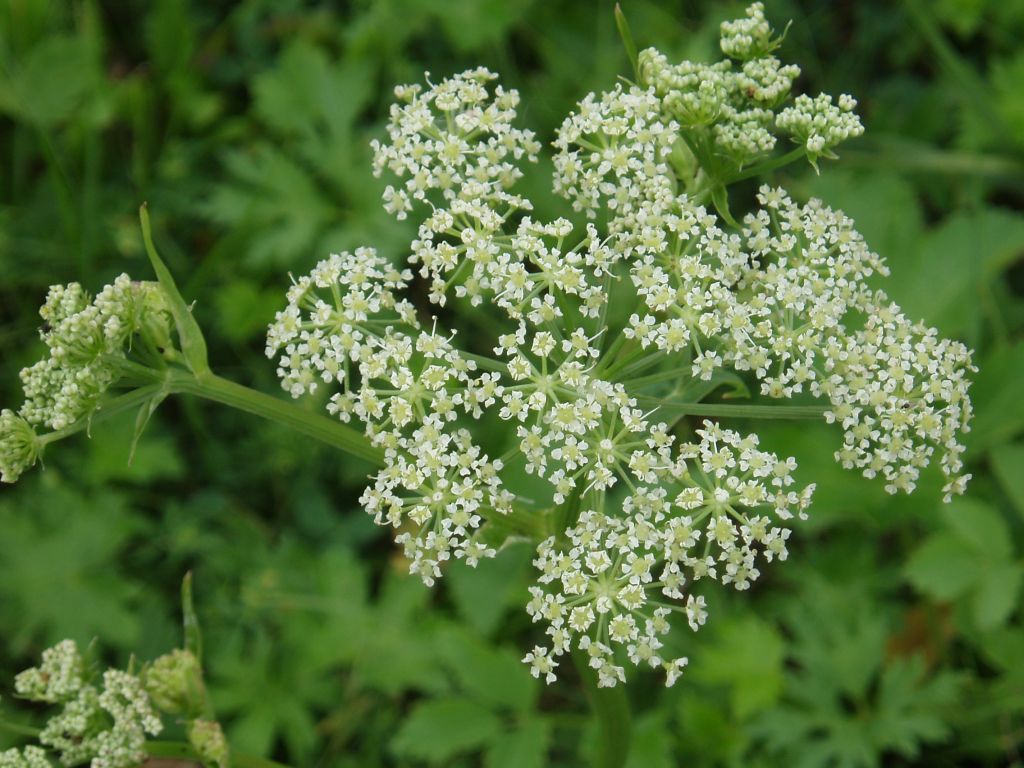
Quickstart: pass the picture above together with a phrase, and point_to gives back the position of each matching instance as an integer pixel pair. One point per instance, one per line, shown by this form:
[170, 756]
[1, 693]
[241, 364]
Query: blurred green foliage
[893, 636]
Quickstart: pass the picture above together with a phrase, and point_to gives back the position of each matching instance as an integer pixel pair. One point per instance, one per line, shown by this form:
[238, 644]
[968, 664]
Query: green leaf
[996, 395]
[944, 567]
[307, 96]
[746, 655]
[145, 413]
[60, 567]
[969, 250]
[153, 455]
[981, 526]
[270, 194]
[997, 596]
[627, 40]
[495, 677]
[720, 197]
[51, 81]
[476, 25]
[484, 595]
[193, 345]
[439, 729]
[524, 747]
[1008, 466]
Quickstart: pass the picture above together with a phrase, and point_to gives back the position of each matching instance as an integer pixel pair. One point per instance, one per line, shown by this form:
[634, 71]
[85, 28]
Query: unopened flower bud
[175, 682]
[19, 446]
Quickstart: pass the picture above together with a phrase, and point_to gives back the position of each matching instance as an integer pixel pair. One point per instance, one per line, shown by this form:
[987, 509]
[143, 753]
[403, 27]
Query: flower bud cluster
[86, 340]
[93, 345]
[750, 37]
[105, 727]
[819, 125]
[174, 682]
[691, 121]
[19, 446]
[207, 738]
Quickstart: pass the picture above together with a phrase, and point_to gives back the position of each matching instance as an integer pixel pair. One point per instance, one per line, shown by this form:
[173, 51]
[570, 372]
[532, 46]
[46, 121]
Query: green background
[892, 636]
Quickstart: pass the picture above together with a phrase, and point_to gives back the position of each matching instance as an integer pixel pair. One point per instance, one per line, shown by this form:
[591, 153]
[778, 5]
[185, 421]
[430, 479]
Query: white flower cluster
[29, 757]
[613, 152]
[900, 393]
[333, 316]
[898, 389]
[444, 485]
[786, 298]
[345, 326]
[606, 584]
[107, 727]
[455, 138]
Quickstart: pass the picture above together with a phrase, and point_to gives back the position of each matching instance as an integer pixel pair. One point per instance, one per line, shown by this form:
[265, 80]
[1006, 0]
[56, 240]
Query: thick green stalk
[212, 387]
[614, 722]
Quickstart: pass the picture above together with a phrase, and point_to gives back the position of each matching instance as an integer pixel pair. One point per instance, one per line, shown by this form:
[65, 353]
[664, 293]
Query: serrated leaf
[50, 82]
[495, 677]
[746, 655]
[997, 596]
[485, 594]
[969, 250]
[981, 527]
[60, 572]
[271, 194]
[439, 729]
[944, 567]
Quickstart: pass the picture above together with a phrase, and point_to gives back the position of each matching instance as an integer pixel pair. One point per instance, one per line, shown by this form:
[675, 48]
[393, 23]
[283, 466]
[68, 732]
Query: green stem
[108, 410]
[768, 165]
[915, 157]
[19, 730]
[485, 363]
[212, 387]
[728, 410]
[611, 708]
